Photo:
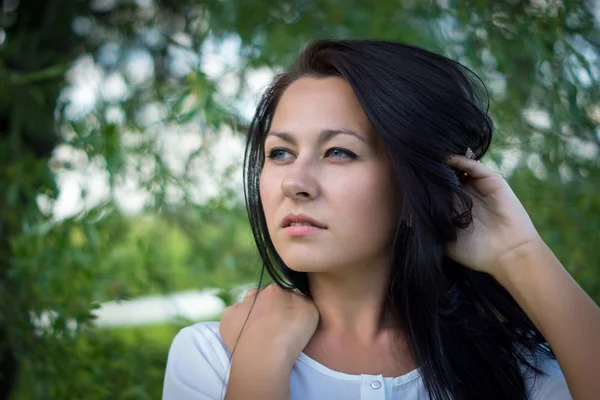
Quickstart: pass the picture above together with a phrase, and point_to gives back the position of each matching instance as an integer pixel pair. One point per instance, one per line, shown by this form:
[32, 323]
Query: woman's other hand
[281, 319]
[501, 231]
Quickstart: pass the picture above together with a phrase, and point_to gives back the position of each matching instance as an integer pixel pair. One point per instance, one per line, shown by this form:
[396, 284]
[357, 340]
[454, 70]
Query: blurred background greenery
[121, 143]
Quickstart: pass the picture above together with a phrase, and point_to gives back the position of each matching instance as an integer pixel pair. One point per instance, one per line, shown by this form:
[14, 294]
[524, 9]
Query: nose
[299, 184]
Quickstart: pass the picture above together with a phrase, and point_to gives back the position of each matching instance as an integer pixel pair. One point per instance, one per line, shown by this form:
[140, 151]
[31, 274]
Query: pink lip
[301, 230]
[290, 218]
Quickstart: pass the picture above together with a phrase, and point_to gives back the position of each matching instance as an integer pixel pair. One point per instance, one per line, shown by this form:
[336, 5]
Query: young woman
[404, 269]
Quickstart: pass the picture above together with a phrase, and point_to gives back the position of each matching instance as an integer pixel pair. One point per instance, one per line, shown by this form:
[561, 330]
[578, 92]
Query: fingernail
[470, 153]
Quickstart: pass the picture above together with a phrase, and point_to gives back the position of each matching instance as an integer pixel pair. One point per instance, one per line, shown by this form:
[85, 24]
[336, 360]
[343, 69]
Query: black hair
[469, 337]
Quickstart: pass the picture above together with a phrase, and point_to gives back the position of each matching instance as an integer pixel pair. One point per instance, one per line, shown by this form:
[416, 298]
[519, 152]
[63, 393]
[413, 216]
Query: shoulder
[204, 338]
[548, 386]
[197, 364]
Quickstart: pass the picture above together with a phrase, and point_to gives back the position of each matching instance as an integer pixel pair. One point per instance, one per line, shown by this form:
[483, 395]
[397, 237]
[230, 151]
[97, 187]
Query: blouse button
[375, 384]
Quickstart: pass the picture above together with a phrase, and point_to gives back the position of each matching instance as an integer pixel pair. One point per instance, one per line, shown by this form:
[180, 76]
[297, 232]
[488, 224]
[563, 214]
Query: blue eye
[274, 154]
[337, 153]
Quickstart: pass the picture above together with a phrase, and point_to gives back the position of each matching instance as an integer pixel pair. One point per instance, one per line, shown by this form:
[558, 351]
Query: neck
[352, 303]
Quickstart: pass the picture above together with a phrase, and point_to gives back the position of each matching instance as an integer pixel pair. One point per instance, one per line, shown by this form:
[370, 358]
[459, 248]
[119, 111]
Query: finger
[229, 309]
[251, 293]
[473, 168]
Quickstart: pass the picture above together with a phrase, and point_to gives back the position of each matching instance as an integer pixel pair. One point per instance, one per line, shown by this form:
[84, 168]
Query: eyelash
[274, 151]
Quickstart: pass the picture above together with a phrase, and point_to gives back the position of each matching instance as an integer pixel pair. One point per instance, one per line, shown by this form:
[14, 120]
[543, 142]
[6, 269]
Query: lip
[295, 231]
[285, 223]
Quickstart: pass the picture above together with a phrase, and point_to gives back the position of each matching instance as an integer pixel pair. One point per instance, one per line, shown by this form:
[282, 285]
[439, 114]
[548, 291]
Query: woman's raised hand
[501, 231]
[283, 320]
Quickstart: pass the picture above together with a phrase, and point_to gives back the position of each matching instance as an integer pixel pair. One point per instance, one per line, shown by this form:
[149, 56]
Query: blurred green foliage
[540, 59]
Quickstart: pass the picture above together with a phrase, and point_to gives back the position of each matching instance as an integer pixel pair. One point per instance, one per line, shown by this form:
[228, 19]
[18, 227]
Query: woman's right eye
[277, 154]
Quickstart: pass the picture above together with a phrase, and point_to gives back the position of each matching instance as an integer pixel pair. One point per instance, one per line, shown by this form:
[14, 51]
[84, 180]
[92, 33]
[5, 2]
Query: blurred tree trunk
[39, 44]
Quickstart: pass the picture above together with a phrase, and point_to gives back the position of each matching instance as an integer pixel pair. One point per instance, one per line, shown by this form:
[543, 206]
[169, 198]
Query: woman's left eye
[340, 152]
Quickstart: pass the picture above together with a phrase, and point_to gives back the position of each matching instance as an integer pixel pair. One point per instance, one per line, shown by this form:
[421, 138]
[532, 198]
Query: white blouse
[198, 369]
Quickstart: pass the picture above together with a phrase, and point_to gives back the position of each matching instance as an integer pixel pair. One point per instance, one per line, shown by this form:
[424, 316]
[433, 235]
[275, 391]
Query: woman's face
[345, 182]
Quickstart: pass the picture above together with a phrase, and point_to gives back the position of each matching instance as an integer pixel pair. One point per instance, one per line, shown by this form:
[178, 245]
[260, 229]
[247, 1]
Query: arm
[566, 316]
[503, 242]
[259, 373]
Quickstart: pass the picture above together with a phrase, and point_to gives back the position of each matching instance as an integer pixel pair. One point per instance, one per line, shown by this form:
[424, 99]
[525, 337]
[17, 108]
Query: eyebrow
[325, 135]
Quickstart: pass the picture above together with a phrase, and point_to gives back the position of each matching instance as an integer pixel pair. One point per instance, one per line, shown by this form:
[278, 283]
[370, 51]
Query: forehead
[310, 105]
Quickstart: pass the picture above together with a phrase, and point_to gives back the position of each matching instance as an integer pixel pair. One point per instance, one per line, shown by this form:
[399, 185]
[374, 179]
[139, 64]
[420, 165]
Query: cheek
[268, 191]
[368, 203]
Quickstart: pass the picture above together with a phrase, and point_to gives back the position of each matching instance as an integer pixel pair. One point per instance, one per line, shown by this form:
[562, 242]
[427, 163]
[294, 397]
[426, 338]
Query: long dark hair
[469, 337]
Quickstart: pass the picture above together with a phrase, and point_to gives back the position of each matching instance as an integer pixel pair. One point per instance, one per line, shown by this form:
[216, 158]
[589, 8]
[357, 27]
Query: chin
[306, 268]
[311, 265]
